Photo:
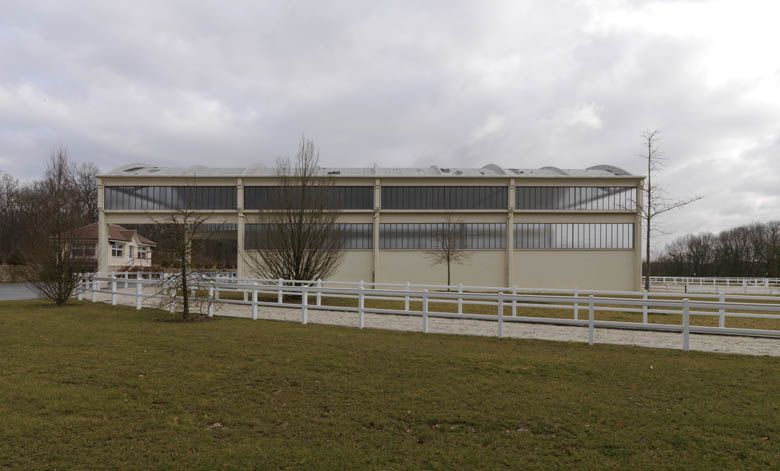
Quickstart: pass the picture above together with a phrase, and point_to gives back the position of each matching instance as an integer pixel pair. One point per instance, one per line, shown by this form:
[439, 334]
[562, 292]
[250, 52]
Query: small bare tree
[450, 245]
[187, 289]
[53, 269]
[655, 201]
[297, 236]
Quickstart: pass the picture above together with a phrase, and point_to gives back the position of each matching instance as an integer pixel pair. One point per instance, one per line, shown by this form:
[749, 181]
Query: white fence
[499, 305]
[691, 284]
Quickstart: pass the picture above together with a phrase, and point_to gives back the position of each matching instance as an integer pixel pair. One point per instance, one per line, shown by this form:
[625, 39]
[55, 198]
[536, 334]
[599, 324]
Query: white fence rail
[497, 304]
[716, 284]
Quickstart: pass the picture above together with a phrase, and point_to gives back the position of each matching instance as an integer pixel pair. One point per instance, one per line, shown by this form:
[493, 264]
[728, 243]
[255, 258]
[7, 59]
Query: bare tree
[450, 245]
[298, 236]
[750, 250]
[655, 201]
[9, 212]
[188, 289]
[53, 270]
[85, 182]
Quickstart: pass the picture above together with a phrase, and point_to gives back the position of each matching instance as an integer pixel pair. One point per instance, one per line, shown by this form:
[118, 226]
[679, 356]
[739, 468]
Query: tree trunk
[647, 258]
[649, 213]
[185, 313]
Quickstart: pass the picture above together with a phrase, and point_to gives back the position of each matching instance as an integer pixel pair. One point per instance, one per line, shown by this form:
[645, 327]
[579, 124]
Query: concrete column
[377, 210]
[241, 270]
[638, 237]
[102, 250]
[510, 233]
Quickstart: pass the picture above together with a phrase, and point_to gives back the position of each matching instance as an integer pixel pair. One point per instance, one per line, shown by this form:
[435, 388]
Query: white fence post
[113, 290]
[722, 311]
[254, 302]
[279, 294]
[95, 288]
[686, 321]
[514, 301]
[319, 292]
[212, 296]
[425, 311]
[576, 304]
[361, 307]
[460, 299]
[305, 306]
[81, 287]
[127, 276]
[591, 320]
[172, 305]
[500, 315]
[139, 291]
[644, 307]
[406, 298]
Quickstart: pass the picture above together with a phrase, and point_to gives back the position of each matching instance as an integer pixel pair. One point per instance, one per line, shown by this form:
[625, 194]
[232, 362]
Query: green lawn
[95, 386]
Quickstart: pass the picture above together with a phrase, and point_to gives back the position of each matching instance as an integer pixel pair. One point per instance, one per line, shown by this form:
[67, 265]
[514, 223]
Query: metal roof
[260, 170]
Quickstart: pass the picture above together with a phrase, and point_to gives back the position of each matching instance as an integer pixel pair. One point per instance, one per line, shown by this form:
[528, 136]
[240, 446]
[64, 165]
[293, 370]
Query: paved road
[16, 291]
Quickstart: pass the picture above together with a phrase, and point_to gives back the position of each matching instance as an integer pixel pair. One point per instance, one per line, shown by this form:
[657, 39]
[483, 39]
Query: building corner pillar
[102, 249]
[241, 271]
[638, 267]
[375, 231]
[510, 233]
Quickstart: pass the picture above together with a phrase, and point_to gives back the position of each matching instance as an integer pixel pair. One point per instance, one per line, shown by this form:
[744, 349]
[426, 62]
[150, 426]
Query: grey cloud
[446, 83]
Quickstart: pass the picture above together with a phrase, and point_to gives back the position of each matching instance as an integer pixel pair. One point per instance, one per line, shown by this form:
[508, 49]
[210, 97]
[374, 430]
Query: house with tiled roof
[128, 249]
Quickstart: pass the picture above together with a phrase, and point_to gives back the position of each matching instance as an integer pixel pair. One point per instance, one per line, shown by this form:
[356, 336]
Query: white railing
[506, 304]
[716, 284]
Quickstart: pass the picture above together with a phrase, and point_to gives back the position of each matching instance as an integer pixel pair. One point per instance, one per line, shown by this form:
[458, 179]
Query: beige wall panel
[169, 181]
[355, 266]
[483, 267]
[438, 216]
[365, 217]
[589, 269]
[443, 181]
[578, 217]
[131, 217]
[338, 181]
[628, 180]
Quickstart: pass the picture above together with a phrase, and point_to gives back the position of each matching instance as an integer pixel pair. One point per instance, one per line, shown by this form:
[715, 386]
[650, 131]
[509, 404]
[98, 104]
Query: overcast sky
[452, 83]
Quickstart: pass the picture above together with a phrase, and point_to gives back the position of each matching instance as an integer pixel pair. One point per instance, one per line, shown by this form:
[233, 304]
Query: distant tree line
[27, 209]
[751, 250]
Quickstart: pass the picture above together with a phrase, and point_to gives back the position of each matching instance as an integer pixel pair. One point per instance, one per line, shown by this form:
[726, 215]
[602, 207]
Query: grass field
[95, 386]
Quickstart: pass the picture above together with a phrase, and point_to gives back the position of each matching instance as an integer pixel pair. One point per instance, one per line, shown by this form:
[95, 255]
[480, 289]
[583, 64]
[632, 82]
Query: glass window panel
[574, 198]
[574, 235]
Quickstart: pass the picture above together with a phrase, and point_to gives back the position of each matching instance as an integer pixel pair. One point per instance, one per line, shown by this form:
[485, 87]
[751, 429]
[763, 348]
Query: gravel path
[706, 343]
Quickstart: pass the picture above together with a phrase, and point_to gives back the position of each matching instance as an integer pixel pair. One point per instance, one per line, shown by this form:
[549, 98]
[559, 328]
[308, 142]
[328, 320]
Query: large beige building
[546, 227]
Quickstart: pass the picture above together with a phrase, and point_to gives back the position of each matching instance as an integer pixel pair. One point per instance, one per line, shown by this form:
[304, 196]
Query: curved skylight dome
[610, 168]
[557, 170]
[494, 168]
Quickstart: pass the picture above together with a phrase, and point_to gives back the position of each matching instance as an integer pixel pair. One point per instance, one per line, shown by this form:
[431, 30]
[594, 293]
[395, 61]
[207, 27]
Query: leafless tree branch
[297, 237]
